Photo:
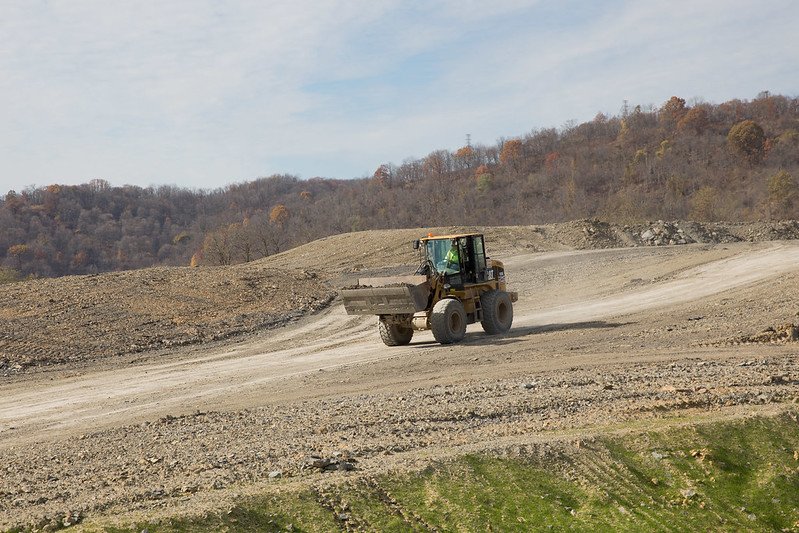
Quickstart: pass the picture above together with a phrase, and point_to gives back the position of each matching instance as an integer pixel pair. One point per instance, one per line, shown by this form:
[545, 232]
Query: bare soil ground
[169, 391]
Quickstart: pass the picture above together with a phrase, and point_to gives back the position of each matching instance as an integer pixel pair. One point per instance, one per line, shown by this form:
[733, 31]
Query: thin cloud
[202, 93]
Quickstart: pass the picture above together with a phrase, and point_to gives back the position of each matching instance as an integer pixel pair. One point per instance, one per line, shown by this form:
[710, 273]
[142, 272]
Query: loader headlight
[447, 286]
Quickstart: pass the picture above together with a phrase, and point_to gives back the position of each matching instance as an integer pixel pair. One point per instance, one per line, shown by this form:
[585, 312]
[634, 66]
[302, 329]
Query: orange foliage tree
[382, 175]
[279, 215]
[672, 111]
[511, 153]
[695, 121]
[464, 157]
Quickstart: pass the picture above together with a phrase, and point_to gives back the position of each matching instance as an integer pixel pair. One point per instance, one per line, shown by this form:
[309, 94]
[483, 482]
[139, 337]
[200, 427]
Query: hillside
[79, 319]
[735, 161]
[87, 318]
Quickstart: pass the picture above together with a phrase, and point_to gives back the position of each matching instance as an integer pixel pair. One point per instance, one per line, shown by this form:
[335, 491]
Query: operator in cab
[452, 261]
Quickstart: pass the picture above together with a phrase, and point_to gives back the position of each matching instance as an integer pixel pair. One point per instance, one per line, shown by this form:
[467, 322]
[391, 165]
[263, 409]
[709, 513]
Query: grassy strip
[740, 475]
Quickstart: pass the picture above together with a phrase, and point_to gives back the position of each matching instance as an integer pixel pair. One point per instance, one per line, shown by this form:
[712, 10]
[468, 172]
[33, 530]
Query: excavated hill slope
[88, 318]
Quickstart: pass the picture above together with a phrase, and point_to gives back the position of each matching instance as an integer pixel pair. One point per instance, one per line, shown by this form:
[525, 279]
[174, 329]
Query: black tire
[448, 321]
[394, 334]
[497, 312]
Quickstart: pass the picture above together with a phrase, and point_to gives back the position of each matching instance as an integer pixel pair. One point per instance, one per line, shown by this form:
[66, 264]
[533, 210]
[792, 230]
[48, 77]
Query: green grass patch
[13, 276]
[738, 475]
[299, 511]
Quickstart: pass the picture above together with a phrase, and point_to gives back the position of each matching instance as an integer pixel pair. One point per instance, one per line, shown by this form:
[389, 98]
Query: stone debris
[663, 233]
[785, 333]
[330, 464]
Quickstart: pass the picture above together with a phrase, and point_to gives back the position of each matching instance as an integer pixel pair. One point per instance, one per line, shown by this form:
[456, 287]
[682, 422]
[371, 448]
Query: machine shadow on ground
[517, 334]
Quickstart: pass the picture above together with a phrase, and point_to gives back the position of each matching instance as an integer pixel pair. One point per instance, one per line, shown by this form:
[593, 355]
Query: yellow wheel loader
[455, 285]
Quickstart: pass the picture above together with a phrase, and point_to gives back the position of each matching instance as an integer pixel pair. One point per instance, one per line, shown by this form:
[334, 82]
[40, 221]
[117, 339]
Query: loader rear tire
[448, 321]
[394, 334]
[497, 312]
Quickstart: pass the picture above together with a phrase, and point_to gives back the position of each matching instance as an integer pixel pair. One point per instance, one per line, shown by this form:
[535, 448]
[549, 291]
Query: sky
[204, 93]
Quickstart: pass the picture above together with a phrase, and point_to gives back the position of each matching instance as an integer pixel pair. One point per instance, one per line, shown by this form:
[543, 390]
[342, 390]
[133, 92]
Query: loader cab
[461, 258]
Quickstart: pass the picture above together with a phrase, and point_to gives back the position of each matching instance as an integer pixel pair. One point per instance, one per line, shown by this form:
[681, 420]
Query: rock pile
[661, 233]
[585, 234]
[336, 463]
[781, 334]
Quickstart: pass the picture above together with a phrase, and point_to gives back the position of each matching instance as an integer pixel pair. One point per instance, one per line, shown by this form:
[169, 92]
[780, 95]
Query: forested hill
[734, 161]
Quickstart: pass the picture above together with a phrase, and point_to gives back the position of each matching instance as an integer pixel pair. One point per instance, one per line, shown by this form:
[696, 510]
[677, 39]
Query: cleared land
[169, 390]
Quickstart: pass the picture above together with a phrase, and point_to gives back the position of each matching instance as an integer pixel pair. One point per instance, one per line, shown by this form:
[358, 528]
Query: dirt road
[595, 285]
[611, 315]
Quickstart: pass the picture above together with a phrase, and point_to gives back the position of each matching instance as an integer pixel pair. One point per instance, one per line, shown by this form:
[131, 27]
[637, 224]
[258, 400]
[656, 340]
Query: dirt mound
[373, 249]
[81, 318]
[586, 234]
[782, 334]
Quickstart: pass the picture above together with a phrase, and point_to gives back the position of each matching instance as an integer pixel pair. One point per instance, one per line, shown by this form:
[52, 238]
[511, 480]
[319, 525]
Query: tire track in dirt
[688, 285]
[38, 409]
[125, 395]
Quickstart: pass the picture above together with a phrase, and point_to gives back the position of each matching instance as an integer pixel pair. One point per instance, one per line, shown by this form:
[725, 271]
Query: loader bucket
[387, 296]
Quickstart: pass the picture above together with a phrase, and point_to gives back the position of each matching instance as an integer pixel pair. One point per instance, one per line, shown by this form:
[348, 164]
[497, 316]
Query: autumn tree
[382, 175]
[80, 261]
[747, 139]
[695, 121]
[511, 153]
[13, 202]
[782, 193]
[672, 112]
[241, 239]
[704, 203]
[464, 157]
[277, 219]
[51, 200]
[279, 215]
[552, 160]
[437, 170]
[217, 248]
[19, 251]
[438, 164]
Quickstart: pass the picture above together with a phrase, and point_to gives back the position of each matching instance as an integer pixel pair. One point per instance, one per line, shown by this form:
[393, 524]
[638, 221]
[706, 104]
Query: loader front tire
[497, 311]
[448, 321]
[394, 334]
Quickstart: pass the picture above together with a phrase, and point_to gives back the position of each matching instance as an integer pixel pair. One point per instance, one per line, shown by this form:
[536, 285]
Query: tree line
[734, 161]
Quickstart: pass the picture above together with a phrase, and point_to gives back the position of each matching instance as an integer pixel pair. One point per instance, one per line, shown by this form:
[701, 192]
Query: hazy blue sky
[202, 93]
